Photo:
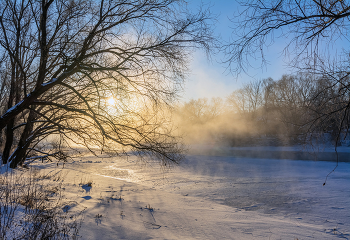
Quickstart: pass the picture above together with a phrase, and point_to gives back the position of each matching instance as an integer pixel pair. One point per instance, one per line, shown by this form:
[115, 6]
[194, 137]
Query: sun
[111, 101]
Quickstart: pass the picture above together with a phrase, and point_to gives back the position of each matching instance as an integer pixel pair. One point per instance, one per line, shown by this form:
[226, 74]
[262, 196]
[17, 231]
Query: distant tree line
[291, 110]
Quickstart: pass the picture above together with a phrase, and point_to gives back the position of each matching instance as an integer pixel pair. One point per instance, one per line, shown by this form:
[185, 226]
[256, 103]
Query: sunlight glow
[111, 101]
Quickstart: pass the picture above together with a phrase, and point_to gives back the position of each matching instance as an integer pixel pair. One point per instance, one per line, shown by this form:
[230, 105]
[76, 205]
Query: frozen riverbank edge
[292, 153]
[206, 197]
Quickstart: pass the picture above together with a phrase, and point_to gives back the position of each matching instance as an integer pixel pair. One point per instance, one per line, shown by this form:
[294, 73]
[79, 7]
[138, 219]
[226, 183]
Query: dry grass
[31, 206]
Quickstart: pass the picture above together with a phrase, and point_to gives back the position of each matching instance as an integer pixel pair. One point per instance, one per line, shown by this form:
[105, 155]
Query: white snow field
[208, 197]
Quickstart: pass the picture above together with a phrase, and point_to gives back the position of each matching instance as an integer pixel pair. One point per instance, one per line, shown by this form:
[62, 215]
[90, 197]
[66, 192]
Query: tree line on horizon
[291, 110]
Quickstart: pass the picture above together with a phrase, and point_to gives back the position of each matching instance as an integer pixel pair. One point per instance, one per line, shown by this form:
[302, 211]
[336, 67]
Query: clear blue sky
[209, 78]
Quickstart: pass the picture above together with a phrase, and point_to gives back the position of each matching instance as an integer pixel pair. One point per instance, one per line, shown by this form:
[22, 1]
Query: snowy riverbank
[206, 197]
[209, 197]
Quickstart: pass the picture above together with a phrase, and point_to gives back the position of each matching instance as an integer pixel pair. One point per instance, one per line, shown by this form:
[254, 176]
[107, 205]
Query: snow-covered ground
[208, 197]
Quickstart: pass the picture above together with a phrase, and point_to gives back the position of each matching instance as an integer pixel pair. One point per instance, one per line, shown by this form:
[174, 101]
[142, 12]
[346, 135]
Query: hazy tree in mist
[93, 72]
[272, 112]
[330, 106]
[198, 119]
[202, 110]
[247, 99]
[311, 27]
[237, 102]
[273, 108]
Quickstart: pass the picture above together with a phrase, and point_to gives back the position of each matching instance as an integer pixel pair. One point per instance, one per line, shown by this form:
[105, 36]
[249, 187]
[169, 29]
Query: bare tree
[329, 108]
[87, 70]
[312, 27]
[308, 24]
[237, 102]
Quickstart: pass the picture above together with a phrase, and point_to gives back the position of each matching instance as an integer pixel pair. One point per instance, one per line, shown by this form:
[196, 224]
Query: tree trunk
[9, 141]
[20, 152]
[9, 126]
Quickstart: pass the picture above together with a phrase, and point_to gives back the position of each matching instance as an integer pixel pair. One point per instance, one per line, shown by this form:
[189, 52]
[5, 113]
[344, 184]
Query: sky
[209, 78]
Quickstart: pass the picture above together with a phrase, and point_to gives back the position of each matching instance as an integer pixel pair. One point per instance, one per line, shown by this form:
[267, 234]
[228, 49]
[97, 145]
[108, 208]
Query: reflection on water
[112, 171]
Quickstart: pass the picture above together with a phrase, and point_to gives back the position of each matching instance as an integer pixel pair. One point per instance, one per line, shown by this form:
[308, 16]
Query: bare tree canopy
[311, 28]
[94, 72]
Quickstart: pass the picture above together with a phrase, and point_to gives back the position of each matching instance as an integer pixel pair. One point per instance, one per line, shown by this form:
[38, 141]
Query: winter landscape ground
[206, 197]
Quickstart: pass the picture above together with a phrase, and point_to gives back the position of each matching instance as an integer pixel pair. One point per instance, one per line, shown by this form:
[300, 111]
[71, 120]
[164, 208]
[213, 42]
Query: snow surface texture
[208, 197]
